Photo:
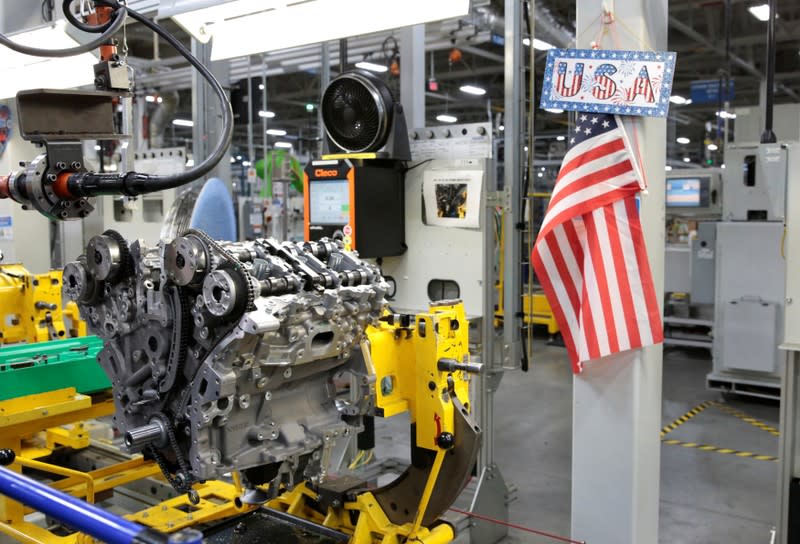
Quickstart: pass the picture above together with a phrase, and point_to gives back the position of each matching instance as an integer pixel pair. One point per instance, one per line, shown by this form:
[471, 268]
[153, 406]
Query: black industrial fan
[361, 116]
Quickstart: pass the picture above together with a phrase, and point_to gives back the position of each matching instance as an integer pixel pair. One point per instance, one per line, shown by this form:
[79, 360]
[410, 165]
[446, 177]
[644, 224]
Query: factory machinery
[243, 378]
[249, 363]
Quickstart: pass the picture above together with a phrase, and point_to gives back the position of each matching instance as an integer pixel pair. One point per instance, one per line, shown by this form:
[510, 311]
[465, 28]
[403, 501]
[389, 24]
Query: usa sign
[608, 81]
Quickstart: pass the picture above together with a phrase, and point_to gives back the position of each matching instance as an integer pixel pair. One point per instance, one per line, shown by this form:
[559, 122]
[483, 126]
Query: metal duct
[547, 26]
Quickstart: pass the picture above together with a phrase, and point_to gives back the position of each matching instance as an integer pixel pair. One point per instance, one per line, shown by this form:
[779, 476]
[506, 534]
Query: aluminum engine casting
[231, 356]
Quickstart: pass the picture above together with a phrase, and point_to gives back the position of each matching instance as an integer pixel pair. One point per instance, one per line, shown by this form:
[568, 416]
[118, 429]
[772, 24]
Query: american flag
[590, 256]
[641, 85]
[577, 78]
[604, 87]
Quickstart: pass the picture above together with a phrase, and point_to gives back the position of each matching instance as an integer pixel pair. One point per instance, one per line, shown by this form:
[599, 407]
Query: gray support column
[412, 74]
[514, 136]
[206, 112]
[616, 450]
[324, 80]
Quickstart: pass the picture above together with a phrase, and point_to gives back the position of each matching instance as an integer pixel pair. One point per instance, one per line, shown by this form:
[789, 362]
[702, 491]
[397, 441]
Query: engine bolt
[287, 373]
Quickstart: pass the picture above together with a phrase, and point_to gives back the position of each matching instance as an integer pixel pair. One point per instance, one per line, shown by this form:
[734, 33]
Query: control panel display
[329, 202]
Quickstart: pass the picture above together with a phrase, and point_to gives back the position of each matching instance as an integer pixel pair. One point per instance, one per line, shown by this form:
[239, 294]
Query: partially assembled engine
[232, 355]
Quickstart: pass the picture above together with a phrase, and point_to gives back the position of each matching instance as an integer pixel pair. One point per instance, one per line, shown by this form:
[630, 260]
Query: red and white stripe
[575, 85]
[603, 88]
[641, 85]
[590, 255]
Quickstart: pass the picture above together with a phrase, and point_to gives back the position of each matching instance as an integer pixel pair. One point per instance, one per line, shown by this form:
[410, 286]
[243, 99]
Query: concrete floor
[707, 498]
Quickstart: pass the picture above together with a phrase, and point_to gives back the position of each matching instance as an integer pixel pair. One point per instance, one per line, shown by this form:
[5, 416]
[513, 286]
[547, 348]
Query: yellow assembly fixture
[31, 307]
[420, 364]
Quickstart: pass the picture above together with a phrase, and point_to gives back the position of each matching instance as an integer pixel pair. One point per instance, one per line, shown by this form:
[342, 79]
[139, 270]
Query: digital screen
[684, 192]
[329, 202]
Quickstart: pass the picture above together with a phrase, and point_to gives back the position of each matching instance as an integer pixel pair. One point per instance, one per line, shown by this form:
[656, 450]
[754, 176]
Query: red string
[518, 527]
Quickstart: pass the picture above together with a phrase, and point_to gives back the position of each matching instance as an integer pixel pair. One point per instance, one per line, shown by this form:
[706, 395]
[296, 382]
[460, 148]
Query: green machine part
[275, 158]
[27, 369]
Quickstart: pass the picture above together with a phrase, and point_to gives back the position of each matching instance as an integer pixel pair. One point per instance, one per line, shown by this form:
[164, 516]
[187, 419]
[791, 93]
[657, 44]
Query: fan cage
[356, 112]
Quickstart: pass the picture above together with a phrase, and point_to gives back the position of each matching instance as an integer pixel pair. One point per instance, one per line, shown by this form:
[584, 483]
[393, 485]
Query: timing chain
[184, 486]
[181, 332]
[181, 486]
[231, 260]
[234, 262]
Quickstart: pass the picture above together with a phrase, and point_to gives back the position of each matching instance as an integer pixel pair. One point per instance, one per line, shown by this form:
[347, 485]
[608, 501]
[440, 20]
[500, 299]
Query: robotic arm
[55, 183]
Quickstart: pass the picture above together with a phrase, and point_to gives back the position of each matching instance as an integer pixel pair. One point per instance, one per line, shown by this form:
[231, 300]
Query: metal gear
[126, 265]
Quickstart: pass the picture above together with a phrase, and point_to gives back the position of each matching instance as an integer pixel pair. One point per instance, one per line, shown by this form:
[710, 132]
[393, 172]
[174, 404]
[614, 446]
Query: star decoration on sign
[587, 131]
[594, 120]
[605, 124]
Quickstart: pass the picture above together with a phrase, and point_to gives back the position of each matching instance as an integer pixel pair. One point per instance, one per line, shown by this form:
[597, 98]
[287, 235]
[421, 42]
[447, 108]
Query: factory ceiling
[696, 32]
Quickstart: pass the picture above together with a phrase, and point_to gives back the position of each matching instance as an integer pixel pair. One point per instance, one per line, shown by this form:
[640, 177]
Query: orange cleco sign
[323, 173]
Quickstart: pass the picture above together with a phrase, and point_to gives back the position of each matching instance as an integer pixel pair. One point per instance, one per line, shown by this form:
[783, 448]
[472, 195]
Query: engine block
[230, 356]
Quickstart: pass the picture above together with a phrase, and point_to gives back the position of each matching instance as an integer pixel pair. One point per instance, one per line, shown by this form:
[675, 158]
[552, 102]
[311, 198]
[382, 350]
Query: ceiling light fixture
[687, 159]
[726, 115]
[539, 45]
[19, 72]
[712, 147]
[668, 168]
[682, 140]
[560, 138]
[372, 67]
[554, 110]
[760, 12]
[323, 21]
[267, 114]
[678, 99]
[183, 122]
[472, 89]
[283, 145]
[445, 118]
[276, 132]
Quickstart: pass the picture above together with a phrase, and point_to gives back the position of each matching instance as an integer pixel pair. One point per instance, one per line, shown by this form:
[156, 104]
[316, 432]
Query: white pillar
[616, 449]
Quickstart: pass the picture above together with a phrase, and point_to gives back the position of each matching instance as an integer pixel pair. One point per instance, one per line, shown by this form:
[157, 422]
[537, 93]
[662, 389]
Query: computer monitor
[693, 193]
[687, 192]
